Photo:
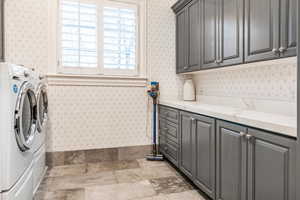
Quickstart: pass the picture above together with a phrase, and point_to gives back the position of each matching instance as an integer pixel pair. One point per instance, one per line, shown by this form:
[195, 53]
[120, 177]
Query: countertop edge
[237, 116]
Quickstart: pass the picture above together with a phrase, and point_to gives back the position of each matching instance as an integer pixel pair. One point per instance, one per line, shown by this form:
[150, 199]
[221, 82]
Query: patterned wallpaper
[83, 117]
[86, 117]
[270, 80]
[161, 48]
[26, 37]
[96, 117]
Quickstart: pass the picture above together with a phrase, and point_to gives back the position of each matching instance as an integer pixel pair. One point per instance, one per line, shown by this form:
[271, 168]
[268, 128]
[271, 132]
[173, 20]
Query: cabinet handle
[219, 61]
[275, 51]
[193, 119]
[186, 67]
[282, 49]
[243, 134]
[249, 137]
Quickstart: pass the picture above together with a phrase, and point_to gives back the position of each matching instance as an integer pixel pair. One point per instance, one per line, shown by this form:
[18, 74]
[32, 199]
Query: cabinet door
[186, 163]
[181, 41]
[231, 162]
[271, 166]
[2, 30]
[262, 30]
[209, 34]
[288, 28]
[193, 36]
[204, 175]
[231, 32]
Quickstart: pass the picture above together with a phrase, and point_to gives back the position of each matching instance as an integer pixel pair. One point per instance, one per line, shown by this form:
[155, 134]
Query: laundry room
[149, 100]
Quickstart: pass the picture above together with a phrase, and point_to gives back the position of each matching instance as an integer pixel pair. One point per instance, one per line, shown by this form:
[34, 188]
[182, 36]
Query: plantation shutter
[119, 37]
[79, 34]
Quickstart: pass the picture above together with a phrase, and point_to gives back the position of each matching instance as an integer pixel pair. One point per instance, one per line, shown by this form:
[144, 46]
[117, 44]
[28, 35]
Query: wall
[81, 117]
[268, 86]
[161, 48]
[88, 117]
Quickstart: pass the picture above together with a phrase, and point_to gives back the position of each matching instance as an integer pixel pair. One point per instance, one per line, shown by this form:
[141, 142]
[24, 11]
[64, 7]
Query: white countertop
[271, 122]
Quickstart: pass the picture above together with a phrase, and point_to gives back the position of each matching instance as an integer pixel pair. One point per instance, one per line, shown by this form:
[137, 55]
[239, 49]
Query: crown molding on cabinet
[179, 5]
[95, 80]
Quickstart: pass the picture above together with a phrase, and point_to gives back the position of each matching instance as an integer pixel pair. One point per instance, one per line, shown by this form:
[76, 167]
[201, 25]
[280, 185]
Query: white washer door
[26, 117]
[42, 107]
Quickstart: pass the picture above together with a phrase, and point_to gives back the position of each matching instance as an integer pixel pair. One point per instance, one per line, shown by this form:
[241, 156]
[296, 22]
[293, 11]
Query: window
[99, 37]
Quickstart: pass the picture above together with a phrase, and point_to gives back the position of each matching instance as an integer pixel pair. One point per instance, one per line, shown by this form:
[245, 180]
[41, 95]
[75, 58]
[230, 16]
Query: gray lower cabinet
[228, 161]
[186, 142]
[169, 133]
[258, 165]
[204, 153]
[197, 150]
[271, 166]
[231, 162]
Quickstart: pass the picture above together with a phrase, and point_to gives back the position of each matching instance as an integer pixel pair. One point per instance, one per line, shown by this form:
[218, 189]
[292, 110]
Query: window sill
[95, 80]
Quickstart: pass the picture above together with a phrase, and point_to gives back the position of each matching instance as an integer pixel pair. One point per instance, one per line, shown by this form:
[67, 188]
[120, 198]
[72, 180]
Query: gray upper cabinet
[2, 30]
[230, 32]
[218, 33]
[288, 28]
[231, 162]
[181, 41]
[261, 30]
[270, 29]
[209, 14]
[222, 33]
[271, 166]
[204, 157]
[193, 12]
[188, 36]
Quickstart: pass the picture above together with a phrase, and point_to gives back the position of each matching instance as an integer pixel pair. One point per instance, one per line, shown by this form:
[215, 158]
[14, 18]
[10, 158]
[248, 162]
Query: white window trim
[54, 47]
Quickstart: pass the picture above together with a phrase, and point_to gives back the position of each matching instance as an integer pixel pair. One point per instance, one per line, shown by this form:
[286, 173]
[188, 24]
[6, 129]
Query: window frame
[139, 71]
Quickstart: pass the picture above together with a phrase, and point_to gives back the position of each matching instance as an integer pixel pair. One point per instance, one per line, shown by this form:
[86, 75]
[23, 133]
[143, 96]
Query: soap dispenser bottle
[189, 93]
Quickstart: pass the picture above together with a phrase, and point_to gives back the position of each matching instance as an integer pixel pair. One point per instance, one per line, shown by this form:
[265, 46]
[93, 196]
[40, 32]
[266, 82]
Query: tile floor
[116, 180]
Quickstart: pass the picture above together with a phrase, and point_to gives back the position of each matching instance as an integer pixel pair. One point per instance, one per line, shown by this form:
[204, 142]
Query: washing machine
[39, 145]
[18, 124]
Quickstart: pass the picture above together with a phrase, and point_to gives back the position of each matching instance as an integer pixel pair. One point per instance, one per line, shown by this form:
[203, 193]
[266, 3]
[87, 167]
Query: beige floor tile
[76, 194]
[73, 182]
[125, 191]
[159, 197]
[67, 170]
[144, 163]
[157, 172]
[129, 175]
[170, 185]
[187, 195]
[135, 175]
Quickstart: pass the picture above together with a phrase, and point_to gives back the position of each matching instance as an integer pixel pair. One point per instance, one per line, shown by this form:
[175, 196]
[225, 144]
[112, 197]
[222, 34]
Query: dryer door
[26, 117]
[42, 107]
